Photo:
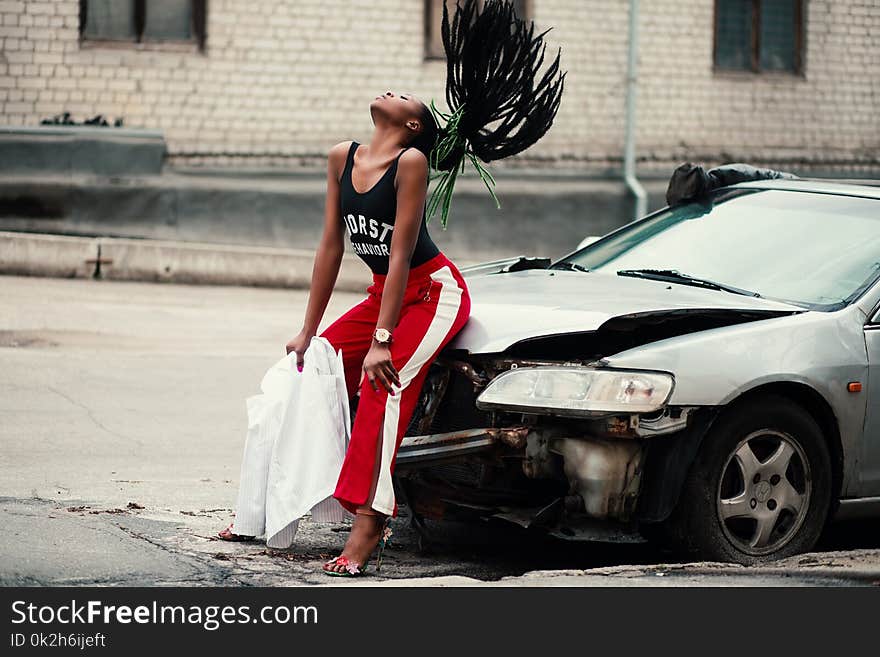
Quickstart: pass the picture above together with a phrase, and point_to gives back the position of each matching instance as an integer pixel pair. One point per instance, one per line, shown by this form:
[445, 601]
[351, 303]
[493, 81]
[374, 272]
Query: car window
[817, 250]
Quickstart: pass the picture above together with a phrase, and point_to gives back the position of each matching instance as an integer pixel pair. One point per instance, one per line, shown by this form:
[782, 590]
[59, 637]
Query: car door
[871, 439]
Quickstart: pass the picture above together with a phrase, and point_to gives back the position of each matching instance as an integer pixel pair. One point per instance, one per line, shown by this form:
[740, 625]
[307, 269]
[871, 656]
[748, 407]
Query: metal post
[629, 156]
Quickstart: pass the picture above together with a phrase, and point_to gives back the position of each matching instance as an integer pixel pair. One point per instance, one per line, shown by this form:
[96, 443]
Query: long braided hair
[498, 105]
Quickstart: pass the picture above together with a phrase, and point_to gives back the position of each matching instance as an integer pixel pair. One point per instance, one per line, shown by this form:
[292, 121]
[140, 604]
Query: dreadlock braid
[498, 108]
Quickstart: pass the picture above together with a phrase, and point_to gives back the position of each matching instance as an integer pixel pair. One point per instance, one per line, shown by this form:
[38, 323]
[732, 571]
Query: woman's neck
[385, 142]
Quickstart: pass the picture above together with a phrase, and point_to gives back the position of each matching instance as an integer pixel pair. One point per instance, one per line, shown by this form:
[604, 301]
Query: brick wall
[280, 84]
[830, 116]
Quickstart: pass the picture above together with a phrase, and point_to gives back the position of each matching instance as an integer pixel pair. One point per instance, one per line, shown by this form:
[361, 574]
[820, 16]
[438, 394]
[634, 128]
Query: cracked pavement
[122, 419]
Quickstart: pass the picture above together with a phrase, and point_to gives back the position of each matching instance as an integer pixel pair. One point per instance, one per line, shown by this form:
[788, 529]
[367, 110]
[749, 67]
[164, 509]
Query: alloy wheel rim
[764, 492]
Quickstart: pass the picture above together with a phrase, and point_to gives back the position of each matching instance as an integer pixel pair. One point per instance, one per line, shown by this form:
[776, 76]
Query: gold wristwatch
[382, 336]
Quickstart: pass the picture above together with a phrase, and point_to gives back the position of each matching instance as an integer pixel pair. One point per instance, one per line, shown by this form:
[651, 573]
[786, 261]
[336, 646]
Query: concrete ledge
[57, 256]
[538, 217]
[160, 261]
[219, 264]
[72, 149]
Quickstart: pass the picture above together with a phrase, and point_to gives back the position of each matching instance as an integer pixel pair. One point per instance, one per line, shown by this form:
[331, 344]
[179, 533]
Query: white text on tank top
[361, 225]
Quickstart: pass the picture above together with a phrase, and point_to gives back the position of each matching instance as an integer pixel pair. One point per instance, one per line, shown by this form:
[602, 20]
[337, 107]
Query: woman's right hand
[299, 344]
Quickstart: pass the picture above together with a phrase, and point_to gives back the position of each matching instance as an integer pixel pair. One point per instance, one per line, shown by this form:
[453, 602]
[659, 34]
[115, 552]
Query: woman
[417, 303]
[418, 300]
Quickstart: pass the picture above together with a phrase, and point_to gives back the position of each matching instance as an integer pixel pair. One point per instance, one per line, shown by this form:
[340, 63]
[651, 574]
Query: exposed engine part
[514, 437]
[672, 419]
[447, 403]
[569, 470]
[630, 427]
[432, 394]
[420, 450]
[538, 462]
[416, 451]
[614, 426]
[466, 369]
[605, 473]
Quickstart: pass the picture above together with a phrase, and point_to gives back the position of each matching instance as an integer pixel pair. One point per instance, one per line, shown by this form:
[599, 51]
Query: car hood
[514, 306]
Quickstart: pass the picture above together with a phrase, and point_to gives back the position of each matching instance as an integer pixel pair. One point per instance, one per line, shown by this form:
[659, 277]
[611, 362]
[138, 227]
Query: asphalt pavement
[122, 421]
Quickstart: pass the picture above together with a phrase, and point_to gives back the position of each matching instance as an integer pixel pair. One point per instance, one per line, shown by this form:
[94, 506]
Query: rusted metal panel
[416, 449]
[423, 449]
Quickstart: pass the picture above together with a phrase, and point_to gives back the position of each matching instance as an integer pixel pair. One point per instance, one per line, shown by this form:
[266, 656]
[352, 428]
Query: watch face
[382, 335]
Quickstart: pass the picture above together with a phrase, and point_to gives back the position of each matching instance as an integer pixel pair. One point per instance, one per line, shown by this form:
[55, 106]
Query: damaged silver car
[707, 376]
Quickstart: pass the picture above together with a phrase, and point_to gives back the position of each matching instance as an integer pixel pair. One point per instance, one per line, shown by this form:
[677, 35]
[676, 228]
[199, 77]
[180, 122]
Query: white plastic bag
[298, 431]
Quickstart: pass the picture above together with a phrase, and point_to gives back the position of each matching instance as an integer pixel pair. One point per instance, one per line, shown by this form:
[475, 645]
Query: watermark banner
[112, 620]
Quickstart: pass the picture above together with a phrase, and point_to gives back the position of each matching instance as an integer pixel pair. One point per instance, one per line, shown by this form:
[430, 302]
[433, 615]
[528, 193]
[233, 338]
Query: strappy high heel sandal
[353, 568]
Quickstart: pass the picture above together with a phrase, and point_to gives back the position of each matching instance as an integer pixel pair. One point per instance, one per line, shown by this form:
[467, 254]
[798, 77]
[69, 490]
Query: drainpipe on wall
[629, 155]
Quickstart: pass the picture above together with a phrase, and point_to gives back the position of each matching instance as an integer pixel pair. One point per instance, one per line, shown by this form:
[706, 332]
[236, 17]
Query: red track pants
[436, 305]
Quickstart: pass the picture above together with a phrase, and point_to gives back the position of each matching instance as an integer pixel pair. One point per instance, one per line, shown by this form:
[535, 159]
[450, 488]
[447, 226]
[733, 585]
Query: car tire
[749, 511]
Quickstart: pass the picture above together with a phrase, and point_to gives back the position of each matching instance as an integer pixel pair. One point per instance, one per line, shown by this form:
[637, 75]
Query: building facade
[789, 83]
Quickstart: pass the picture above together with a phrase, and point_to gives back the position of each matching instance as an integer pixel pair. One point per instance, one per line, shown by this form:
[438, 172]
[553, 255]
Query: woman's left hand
[379, 367]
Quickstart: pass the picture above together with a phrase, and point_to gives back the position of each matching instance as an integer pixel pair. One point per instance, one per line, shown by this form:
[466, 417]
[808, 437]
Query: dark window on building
[759, 35]
[144, 21]
[434, 19]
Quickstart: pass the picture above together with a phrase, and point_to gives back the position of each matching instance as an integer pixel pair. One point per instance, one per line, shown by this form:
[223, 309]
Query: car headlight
[572, 390]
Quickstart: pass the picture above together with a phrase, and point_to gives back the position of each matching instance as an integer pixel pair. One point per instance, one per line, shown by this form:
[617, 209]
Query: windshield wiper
[675, 276]
[570, 266]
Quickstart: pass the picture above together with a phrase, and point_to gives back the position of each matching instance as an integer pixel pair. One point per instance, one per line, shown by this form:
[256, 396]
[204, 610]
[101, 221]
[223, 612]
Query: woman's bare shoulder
[341, 147]
[337, 154]
[412, 168]
[413, 157]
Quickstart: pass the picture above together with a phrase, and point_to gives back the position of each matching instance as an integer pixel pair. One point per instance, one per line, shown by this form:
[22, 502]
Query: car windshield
[816, 250]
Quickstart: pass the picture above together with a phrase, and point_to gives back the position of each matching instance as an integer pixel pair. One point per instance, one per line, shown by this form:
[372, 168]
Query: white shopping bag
[298, 431]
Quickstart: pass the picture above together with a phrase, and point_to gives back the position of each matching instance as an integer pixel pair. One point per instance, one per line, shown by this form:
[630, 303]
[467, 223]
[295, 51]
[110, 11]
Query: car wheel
[760, 487]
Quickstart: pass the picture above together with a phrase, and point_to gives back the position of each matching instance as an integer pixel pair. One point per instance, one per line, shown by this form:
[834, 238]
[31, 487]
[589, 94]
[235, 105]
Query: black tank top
[369, 218]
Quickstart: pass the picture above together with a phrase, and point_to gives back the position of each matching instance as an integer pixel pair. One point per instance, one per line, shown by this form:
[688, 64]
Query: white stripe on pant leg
[448, 304]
